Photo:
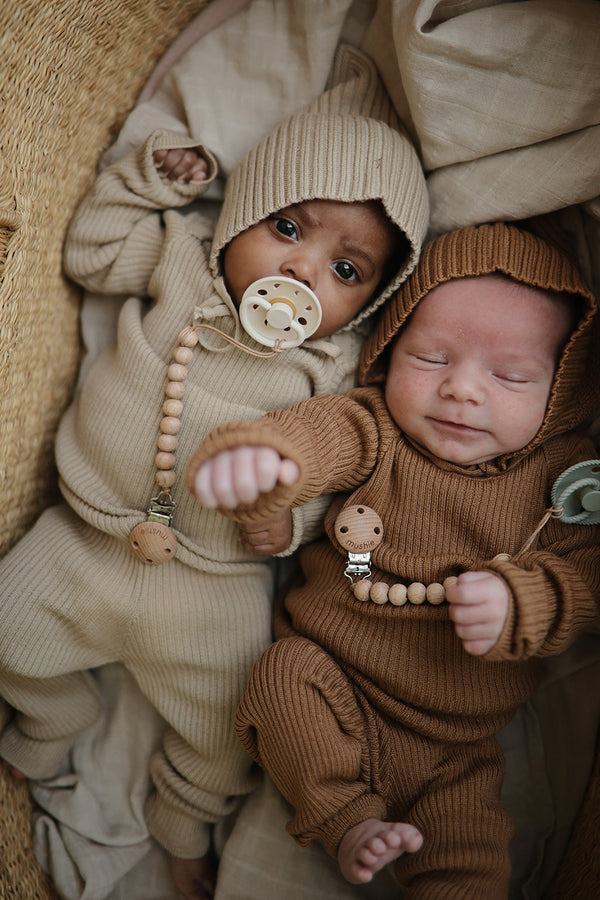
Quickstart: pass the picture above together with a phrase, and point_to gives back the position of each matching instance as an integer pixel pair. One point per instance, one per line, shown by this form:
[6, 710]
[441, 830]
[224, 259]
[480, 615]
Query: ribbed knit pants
[338, 762]
[73, 598]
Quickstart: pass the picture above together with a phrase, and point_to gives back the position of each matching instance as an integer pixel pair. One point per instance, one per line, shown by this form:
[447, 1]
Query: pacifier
[577, 492]
[279, 310]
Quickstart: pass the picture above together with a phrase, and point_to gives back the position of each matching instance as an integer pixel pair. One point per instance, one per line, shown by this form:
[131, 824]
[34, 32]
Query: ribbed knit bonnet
[348, 146]
[523, 256]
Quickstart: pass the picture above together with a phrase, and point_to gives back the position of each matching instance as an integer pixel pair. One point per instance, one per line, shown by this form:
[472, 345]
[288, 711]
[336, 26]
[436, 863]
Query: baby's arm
[479, 603]
[116, 236]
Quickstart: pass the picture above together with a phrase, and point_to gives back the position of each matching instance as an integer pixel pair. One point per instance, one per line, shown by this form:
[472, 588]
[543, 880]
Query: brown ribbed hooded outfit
[363, 710]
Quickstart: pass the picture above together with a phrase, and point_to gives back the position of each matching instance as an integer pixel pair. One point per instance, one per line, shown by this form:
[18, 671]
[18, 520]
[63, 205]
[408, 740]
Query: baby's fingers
[203, 485]
[214, 482]
[180, 165]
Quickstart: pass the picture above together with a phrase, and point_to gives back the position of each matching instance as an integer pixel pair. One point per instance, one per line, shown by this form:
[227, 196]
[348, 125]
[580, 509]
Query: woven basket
[71, 70]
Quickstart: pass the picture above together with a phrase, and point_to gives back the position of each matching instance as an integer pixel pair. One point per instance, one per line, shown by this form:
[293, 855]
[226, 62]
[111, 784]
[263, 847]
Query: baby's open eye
[345, 270]
[285, 227]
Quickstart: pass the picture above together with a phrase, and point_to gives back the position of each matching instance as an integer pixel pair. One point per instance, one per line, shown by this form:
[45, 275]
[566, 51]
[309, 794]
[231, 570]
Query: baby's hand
[180, 165]
[478, 607]
[240, 475]
[195, 879]
[268, 537]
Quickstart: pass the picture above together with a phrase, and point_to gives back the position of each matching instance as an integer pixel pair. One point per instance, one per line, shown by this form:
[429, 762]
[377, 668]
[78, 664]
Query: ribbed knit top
[120, 241]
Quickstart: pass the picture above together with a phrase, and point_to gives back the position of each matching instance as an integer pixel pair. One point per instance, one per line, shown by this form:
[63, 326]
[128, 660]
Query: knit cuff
[182, 835]
[173, 193]
[236, 434]
[35, 758]
[331, 832]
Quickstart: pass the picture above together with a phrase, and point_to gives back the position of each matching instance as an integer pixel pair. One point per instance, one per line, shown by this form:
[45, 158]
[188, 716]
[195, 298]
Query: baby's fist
[479, 604]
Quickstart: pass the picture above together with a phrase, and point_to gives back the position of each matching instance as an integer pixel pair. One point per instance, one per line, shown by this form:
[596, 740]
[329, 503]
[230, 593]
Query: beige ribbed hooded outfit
[365, 710]
[72, 594]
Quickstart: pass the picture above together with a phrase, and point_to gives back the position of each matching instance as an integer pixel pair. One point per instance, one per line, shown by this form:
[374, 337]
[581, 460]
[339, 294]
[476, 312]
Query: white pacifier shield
[279, 309]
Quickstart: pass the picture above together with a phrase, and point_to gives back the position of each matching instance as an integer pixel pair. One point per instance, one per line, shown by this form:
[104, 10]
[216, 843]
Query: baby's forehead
[528, 313]
[478, 294]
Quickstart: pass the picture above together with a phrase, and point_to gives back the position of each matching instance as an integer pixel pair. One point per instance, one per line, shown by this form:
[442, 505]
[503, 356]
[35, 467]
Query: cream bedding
[503, 102]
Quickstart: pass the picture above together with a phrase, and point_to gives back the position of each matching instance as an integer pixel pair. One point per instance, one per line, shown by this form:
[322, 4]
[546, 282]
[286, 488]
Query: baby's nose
[302, 268]
[462, 383]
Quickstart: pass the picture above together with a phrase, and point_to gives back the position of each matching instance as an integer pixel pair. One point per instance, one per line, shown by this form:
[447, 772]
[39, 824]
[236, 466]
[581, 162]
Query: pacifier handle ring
[574, 488]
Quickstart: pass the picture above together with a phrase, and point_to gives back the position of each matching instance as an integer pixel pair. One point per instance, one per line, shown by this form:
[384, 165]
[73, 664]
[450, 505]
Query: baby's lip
[453, 425]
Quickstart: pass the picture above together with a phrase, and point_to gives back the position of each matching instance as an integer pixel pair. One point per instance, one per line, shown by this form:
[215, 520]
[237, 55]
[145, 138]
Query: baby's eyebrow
[353, 250]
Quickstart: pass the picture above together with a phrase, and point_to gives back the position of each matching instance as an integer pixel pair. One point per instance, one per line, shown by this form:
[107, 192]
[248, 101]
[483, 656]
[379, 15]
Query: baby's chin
[463, 457]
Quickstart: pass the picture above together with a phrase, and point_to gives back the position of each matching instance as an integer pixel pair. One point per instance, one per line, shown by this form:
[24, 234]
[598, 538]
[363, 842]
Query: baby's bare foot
[372, 844]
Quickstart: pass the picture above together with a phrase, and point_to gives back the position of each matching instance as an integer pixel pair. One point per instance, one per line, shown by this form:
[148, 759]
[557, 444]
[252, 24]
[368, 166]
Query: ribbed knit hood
[505, 249]
[348, 146]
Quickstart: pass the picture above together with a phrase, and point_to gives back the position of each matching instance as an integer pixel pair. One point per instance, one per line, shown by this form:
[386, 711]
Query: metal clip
[358, 564]
[161, 509]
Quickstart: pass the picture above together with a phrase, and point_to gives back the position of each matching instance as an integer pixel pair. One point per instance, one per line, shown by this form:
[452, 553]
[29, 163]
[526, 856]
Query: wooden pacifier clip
[359, 530]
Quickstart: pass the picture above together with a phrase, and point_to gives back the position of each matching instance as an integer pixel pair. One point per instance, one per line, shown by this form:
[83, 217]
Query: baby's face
[339, 250]
[471, 372]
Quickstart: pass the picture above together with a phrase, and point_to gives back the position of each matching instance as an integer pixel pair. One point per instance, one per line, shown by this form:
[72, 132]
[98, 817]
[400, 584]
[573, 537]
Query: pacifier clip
[276, 312]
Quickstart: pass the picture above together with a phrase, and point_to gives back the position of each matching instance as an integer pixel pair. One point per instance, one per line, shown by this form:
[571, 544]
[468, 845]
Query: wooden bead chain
[359, 530]
[399, 594]
[153, 542]
[415, 593]
[170, 424]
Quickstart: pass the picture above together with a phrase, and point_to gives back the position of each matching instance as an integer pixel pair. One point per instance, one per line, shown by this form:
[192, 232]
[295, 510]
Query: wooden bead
[170, 425]
[379, 593]
[172, 407]
[501, 557]
[362, 589]
[183, 355]
[177, 372]
[416, 593]
[164, 460]
[435, 593]
[175, 389]
[167, 442]
[165, 478]
[188, 337]
[449, 581]
[397, 594]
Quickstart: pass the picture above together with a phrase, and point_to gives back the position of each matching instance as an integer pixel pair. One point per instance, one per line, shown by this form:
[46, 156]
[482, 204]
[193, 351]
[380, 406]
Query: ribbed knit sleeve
[116, 236]
[334, 439]
[555, 586]
[553, 598]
